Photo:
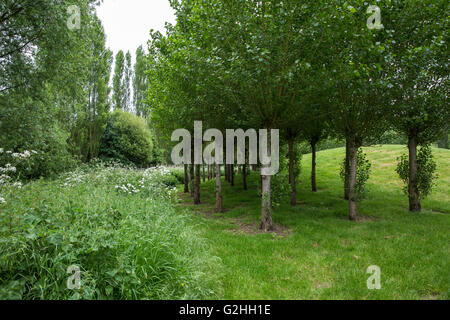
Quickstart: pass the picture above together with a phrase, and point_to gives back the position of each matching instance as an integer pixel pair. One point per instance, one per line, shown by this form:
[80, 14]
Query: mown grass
[323, 255]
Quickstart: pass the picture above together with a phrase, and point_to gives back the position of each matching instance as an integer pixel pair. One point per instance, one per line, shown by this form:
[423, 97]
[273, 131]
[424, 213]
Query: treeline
[313, 69]
[54, 92]
[55, 96]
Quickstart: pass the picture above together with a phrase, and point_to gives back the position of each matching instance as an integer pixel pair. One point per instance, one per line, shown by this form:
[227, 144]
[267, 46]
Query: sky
[127, 23]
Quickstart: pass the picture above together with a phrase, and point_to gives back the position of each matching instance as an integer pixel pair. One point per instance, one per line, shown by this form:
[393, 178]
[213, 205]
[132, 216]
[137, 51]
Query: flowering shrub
[117, 224]
[9, 175]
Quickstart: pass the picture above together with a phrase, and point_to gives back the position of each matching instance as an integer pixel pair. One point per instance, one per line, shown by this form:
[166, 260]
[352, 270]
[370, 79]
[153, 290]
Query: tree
[140, 83]
[355, 86]
[119, 94]
[417, 71]
[128, 75]
[127, 139]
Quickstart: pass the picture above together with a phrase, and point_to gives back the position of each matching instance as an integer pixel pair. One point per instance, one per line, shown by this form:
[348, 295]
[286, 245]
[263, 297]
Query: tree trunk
[313, 166]
[347, 170]
[353, 166]
[413, 191]
[186, 179]
[191, 179]
[204, 174]
[197, 184]
[292, 174]
[232, 174]
[209, 172]
[266, 205]
[266, 199]
[244, 176]
[239, 169]
[219, 199]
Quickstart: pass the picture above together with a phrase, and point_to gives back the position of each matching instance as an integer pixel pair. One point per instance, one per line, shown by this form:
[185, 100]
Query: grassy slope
[325, 256]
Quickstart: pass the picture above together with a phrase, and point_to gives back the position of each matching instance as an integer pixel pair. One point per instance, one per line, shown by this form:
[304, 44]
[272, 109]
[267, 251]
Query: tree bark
[219, 199]
[413, 190]
[266, 197]
[232, 174]
[353, 166]
[204, 174]
[347, 170]
[191, 179]
[186, 179]
[197, 185]
[244, 176]
[292, 173]
[266, 205]
[313, 166]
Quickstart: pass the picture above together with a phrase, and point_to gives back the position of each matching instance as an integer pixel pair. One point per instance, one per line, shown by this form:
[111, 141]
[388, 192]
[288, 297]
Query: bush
[178, 174]
[127, 139]
[118, 226]
[279, 185]
[362, 175]
[426, 168]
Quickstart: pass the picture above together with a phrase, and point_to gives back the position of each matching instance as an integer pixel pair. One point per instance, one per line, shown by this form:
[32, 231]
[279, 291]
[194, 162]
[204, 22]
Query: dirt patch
[253, 228]
[367, 218]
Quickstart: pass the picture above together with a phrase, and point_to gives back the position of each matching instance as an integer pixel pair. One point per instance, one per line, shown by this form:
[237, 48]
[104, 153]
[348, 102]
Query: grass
[319, 253]
[117, 225]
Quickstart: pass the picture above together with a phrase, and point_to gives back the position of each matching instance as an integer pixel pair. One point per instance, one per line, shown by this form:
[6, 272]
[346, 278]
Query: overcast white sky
[127, 23]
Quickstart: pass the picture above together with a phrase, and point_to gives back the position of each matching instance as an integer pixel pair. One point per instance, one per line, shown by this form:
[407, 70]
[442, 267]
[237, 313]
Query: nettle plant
[362, 176]
[12, 165]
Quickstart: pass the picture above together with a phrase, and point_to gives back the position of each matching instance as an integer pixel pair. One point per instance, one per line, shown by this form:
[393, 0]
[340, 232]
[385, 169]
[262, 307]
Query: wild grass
[117, 225]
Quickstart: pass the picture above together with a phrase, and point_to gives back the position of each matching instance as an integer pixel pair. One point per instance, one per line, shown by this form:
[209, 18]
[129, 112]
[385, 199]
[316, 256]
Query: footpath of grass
[320, 254]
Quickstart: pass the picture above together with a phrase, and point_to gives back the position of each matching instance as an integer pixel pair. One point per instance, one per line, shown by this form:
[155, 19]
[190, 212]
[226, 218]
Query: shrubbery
[362, 174]
[426, 171]
[118, 225]
[127, 139]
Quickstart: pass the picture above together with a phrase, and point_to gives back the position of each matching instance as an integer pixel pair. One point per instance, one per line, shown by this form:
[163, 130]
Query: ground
[316, 252]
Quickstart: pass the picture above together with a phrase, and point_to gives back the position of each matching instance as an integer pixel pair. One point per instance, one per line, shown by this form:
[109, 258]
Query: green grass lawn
[318, 253]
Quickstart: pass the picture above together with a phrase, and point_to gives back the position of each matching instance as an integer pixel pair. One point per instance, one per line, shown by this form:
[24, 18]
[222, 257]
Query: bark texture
[352, 201]
[186, 179]
[197, 185]
[347, 170]
[313, 166]
[413, 190]
[219, 199]
[292, 173]
[266, 205]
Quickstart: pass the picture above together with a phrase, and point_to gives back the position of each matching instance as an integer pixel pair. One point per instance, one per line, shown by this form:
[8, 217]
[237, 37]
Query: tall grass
[117, 225]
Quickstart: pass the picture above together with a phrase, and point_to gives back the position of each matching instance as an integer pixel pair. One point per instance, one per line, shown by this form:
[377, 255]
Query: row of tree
[309, 68]
[130, 85]
[55, 70]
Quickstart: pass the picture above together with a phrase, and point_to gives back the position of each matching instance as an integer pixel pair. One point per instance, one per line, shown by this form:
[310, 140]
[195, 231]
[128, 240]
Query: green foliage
[426, 171]
[362, 174]
[178, 174]
[127, 139]
[119, 226]
[279, 183]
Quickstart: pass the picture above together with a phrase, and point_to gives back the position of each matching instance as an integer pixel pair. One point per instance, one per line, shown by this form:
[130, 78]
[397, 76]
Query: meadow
[316, 252]
[135, 235]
